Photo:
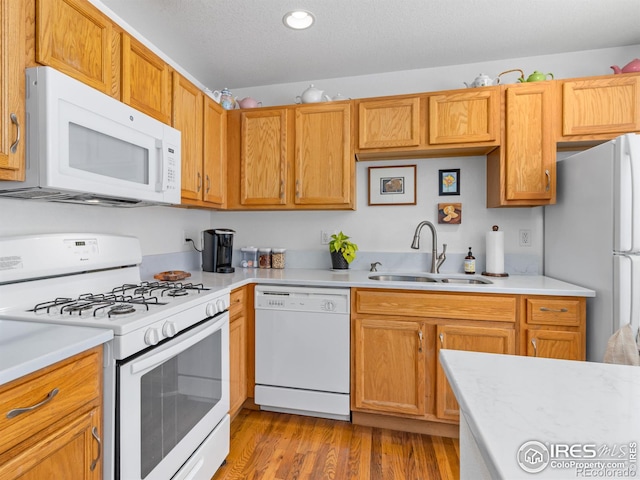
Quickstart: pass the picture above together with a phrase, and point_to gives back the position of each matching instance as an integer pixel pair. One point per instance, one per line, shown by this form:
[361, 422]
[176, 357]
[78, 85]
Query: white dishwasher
[302, 350]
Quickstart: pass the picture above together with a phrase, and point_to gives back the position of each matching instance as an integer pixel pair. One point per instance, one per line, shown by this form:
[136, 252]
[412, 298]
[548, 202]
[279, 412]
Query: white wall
[376, 229]
[566, 65]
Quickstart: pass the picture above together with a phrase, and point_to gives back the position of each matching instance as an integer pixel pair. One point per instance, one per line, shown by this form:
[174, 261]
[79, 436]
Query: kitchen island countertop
[546, 414]
[514, 284]
[26, 347]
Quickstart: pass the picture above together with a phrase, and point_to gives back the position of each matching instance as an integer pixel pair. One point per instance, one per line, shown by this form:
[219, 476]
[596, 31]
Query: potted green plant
[343, 251]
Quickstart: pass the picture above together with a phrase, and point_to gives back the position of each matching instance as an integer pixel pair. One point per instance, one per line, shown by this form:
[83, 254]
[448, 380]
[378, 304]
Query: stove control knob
[211, 310]
[169, 329]
[220, 305]
[151, 336]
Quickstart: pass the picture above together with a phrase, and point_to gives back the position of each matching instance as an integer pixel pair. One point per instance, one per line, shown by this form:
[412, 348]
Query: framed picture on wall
[392, 185]
[449, 182]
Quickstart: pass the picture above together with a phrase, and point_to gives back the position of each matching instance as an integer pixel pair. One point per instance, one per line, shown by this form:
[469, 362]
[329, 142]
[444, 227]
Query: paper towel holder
[487, 274]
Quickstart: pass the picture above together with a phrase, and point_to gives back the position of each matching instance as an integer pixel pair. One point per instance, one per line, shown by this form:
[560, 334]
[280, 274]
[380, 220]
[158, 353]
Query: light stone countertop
[514, 284]
[26, 346]
[508, 401]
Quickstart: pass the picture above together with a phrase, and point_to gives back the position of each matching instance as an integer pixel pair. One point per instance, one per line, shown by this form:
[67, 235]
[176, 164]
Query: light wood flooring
[274, 446]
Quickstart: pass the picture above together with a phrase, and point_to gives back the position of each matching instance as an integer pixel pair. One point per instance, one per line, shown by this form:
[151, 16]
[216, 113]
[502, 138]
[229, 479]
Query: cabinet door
[237, 363]
[474, 339]
[12, 89]
[601, 106]
[263, 157]
[389, 123]
[530, 145]
[390, 366]
[187, 117]
[555, 344]
[72, 451]
[146, 81]
[469, 116]
[215, 164]
[324, 162]
[75, 37]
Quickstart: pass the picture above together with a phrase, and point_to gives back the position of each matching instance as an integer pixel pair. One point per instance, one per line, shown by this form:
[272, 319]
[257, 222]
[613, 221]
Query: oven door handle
[161, 355]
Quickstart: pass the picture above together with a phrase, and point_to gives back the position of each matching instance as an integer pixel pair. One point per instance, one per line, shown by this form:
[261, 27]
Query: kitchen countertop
[515, 284]
[26, 347]
[509, 401]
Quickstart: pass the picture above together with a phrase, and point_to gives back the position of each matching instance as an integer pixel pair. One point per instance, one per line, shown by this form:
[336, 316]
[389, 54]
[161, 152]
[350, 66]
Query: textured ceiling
[243, 43]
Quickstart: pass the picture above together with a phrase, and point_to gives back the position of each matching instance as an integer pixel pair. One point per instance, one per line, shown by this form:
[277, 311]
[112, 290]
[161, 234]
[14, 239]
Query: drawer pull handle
[14, 145]
[557, 310]
[535, 347]
[17, 411]
[420, 338]
[442, 339]
[548, 175]
[199, 182]
[208, 183]
[94, 432]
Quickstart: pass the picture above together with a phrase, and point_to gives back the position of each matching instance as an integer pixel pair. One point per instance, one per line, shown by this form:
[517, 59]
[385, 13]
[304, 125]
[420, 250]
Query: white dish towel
[622, 348]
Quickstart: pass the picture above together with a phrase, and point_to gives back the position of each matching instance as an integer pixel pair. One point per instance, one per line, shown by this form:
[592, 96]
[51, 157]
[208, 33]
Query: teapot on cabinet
[312, 95]
[632, 66]
[536, 76]
[482, 80]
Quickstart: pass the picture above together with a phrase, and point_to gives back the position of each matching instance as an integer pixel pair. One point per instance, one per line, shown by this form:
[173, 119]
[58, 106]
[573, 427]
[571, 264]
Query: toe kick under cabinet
[396, 336]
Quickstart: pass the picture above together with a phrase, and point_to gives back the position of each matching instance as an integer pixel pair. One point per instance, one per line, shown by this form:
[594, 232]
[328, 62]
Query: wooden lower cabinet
[62, 436]
[397, 381]
[240, 321]
[473, 339]
[390, 366]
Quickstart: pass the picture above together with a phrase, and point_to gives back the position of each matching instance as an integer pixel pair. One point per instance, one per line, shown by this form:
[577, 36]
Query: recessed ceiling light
[298, 19]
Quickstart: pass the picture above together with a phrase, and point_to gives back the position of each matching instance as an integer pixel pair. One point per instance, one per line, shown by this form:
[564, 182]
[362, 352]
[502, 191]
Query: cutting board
[172, 275]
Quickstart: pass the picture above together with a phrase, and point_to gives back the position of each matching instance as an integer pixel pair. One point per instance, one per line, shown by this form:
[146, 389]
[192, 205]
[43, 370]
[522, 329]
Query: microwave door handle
[163, 168]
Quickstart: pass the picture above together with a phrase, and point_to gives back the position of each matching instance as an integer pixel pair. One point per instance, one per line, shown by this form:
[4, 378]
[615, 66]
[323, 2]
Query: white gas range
[170, 345]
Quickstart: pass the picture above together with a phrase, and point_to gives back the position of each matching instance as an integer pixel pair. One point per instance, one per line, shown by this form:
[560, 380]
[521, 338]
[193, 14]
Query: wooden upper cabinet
[389, 123]
[12, 89]
[75, 37]
[214, 154]
[465, 116]
[522, 172]
[263, 157]
[188, 118]
[324, 164]
[601, 107]
[146, 80]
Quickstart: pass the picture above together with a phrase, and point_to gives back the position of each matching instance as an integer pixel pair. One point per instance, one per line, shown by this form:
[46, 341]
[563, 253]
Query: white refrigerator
[592, 235]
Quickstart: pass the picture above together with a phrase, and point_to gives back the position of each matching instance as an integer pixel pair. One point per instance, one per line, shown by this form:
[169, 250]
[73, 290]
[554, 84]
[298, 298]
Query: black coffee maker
[217, 250]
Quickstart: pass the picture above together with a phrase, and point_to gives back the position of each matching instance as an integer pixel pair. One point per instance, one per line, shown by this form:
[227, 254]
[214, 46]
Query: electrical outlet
[325, 237]
[525, 237]
[185, 235]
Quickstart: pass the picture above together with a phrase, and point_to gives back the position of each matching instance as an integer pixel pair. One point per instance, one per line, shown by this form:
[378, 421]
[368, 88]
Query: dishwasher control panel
[302, 299]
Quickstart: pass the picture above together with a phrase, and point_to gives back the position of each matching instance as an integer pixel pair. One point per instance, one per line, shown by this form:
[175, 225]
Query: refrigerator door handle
[627, 298]
[627, 193]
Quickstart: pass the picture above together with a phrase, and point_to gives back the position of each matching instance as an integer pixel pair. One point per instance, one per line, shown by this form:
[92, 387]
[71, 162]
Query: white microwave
[84, 146]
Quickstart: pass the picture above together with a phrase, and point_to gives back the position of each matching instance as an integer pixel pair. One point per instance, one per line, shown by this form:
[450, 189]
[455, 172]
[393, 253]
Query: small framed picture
[449, 182]
[392, 185]
[450, 213]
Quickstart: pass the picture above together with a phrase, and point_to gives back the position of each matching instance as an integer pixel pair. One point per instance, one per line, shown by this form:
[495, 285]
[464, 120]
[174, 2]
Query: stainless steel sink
[468, 281]
[401, 278]
[429, 279]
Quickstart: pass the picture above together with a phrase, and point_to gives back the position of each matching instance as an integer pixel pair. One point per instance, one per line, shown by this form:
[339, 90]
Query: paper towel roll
[495, 252]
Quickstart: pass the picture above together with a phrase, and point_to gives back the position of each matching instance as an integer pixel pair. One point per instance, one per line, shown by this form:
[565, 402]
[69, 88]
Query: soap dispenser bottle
[470, 263]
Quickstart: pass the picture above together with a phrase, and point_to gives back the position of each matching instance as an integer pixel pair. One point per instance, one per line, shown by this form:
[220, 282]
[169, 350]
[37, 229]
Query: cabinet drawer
[550, 311]
[237, 302]
[78, 380]
[439, 305]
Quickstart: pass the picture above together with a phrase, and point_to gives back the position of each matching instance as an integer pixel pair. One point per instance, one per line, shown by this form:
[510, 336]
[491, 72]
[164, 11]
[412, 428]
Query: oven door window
[169, 402]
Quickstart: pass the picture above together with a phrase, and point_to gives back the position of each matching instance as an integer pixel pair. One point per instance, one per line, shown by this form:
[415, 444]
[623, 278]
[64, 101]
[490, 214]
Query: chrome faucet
[436, 260]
